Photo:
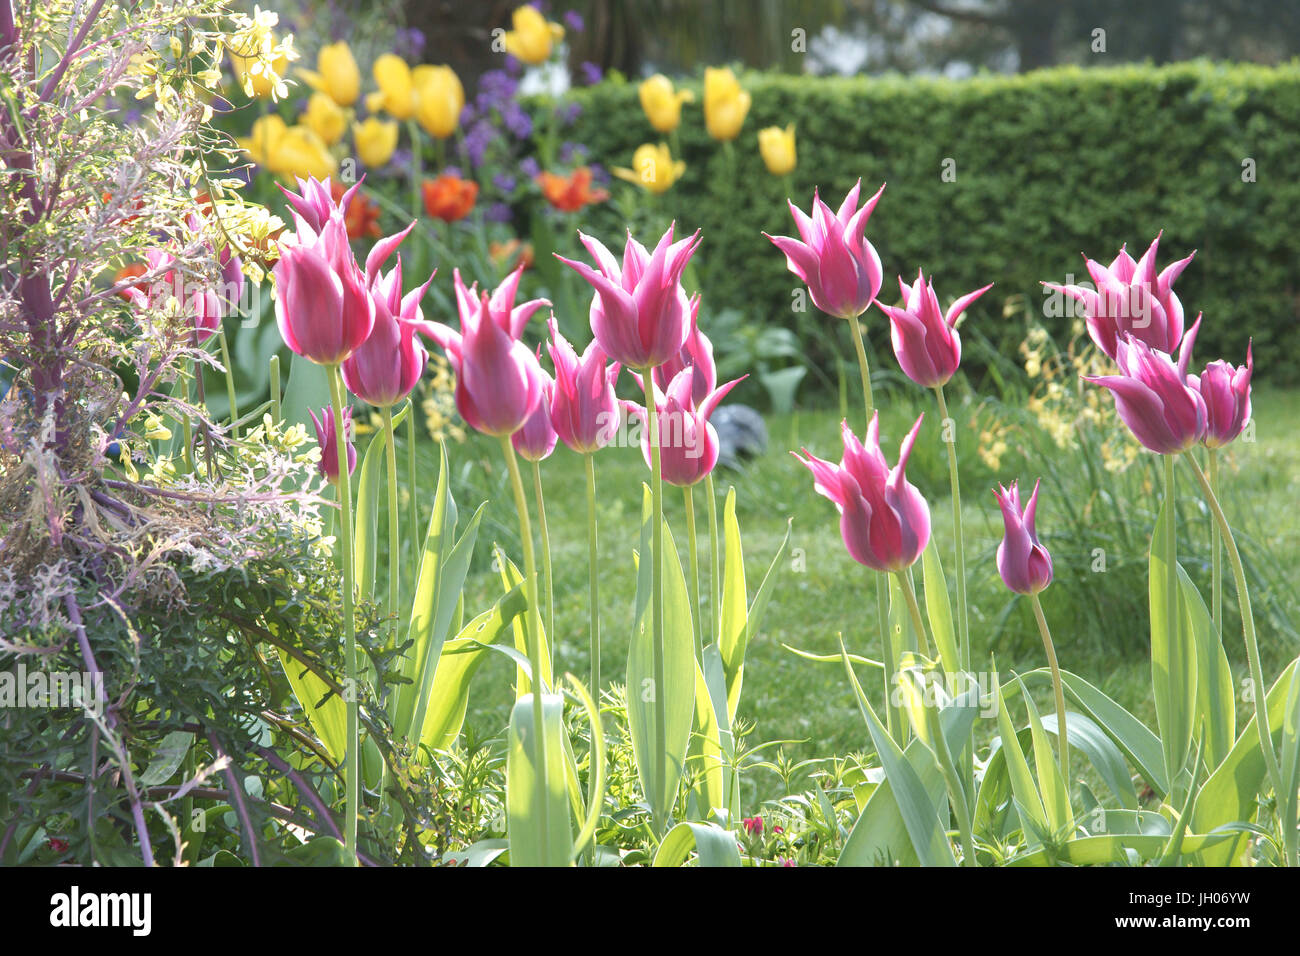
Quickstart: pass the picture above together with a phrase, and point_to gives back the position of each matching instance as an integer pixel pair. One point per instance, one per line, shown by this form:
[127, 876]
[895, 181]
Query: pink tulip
[328, 441]
[697, 353]
[203, 305]
[834, 258]
[1024, 564]
[688, 444]
[884, 520]
[1226, 391]
[314, 202]
[1130, 297]
[926, 340]
[584, 408]
[498, 380]
[1153, 396]
[536, 439]
[639, 312]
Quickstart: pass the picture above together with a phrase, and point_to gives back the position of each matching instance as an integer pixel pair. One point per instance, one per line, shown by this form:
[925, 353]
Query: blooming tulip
[833, 256]
[697, 353]
[884, 520]
[536, 439]
[449, 198]
[663, 105]
[532, 37]
[439, 98]
[725, 103]
[653, 168]
[688, 443]
[1024, 564]
[584, 408]
[336, 74]
[1131, 297]
[316, 201]
[776, 146]
[287, 150]
[384, 368]
[926, 340]
[327, 438]
[376, 140]
[1226, 391]
[570, 193]
[639, 312]
[498, 380]
[396, 93]
[1153, 396]
[324, 118]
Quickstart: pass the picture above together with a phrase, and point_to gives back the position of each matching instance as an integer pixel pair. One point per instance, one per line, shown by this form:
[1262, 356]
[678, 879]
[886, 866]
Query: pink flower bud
[328, 441]
[1024, 564]
[688, 444]
[1226, 391]
[584, 408]
[925, 339]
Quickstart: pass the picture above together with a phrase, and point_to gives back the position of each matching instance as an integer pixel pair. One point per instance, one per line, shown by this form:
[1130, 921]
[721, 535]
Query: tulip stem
[230, 382]
[1062, 738]
[913, 609]
[689, 494]
[546, 549]
[390, 441]
[861, 347]
[657, 603]
[963, 631]
[1216, 552]
[352, 782]
[414, 499]
[593, 577]
[1248, 629]
[276, 410]
[417, 166]
[537, 684]
[715, 571]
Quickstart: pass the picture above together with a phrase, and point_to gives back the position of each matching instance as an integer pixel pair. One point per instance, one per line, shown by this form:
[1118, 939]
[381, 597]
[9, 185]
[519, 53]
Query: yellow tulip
[776, 146]
[662, 105]
[288, 150]
[396, 95]
[653, 167]
[439, 99]
[532, 36]
[725, 103]
[376, 141]
[336, 74]
[264, 139]
[325, 118]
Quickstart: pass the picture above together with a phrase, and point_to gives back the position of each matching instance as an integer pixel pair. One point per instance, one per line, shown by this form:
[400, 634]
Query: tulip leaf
[880, 837]
[1028, 801]
[713, 846]
[326, 711]
[735, 599]
[528, 846]
[1173, 658]
[1134, 738]
[704, 756]
[1051, 785]
[1215, 696]
[512, 578]
[938, 608]
[1116, 848]
[366, 514]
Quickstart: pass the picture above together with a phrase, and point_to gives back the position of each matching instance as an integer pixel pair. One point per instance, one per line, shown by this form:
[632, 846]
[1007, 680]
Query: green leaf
[167, 759]
[1113, 848]
[1173, 659]
[1051, 785]
[705, 756]
[1028, 801]
[938, 608]
[366, 514]
[1215, 695]
[527, 847]
[482, 853]
[1133, 737]
[328, 715]
[713, 845]
[735, 601]
[308, 389]
[880, 837]
[512, 578]
[321, 851]
[596, 791]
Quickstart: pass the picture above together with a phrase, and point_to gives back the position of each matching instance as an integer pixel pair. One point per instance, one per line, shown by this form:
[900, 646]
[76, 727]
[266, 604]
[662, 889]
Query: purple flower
[591, 73]
[504, 182]
[517, 120]
[528, 166]
[410, 44]
[574, 21]
[1023, 562]
[497, 212]
[572, 153]
[568, 113]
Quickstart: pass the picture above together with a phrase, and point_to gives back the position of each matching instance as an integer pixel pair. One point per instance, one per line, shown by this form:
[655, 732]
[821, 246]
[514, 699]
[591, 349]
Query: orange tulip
[570, 193]
[449, 198]
[132, 271]
[511, 254]
[362, 218]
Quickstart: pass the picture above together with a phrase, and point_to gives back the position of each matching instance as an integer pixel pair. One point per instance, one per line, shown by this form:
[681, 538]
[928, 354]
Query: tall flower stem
[657, 600]
[1173, 609]
[1216, 550]
[538, 684]
[1248, 629]
[715, 564]
[593, 577]
[546, 549]
[882, 590]
[394, 539]
[963, 626]
[1062, 737]
[913, 609]
[230, 382]
[689, 494]
[351, 762]
[276, 411]
[417, 165]
[413, 499]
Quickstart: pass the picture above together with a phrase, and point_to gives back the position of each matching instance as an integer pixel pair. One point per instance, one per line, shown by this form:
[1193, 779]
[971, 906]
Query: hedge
[1048, 164]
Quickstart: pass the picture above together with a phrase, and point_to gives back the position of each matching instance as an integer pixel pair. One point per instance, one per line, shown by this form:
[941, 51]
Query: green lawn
[822, 592]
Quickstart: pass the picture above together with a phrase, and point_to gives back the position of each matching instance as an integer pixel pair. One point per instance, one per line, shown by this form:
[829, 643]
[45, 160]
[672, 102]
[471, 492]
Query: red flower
[361, 217]
[134, 270]
[570, 193]
[449, 198]
[57, 845]
[511, 254]
[753, 825]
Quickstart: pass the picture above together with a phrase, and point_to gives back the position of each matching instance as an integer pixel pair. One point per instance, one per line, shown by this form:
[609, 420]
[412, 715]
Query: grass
[822, 592]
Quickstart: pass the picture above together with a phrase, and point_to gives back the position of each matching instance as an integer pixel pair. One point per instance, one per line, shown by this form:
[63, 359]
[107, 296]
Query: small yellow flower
[336, 74]
[324, 118]
[376, 140]
[155, 429]
[776, 146]
[259, 59]
[653, 168]
[396, 94]
[663, 105]
[439, 99]
[533, 36]
[725, 103]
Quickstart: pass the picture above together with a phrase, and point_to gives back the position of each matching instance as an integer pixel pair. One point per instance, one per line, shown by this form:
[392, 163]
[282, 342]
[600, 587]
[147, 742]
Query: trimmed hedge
[1048, 164]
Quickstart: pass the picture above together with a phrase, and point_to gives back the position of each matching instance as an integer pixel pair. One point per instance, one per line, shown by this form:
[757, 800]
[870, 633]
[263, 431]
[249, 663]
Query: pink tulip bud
[639, 312]
[697, 353]
[926, 340]
[498, 380]
[1024, 564]
[1153, 396]
[1131, 298]
[688, 444]
[833, 256]
[536, 439]
[884, 520]
[1226, 391]
[584, 407]
[328, 441]
[314, 204]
